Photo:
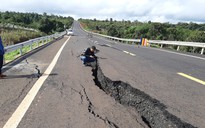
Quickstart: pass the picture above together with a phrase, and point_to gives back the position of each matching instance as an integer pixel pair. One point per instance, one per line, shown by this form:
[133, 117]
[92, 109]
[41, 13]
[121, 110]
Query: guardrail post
[4, 61]
[202, 51]
[31, 47]
[161, 46]
[178, 48]
[20, 50]
[37, 44]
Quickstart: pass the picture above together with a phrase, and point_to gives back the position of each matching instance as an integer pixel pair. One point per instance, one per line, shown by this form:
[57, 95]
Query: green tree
[112, 31]
[46, 26]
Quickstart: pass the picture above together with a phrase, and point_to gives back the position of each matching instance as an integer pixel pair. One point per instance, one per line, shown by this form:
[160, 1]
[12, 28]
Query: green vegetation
[13, 36]
[41, 25]
[153, 31]
[190, 32]
[14, 28]
[45, 23]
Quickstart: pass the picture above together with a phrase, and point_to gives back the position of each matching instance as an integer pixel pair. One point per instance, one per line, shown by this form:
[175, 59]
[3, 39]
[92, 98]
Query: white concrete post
[4, 61]
[31, 47]
[202, 51]
[178, 48]
[20, 50]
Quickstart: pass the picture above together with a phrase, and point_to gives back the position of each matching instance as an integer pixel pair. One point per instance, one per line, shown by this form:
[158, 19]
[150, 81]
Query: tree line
[192, 32]
[43, 22]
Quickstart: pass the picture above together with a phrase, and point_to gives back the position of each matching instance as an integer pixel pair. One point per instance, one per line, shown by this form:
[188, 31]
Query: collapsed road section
[152, 112]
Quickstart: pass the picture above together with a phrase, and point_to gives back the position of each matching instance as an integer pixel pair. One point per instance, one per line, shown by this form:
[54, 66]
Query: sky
[172, 11]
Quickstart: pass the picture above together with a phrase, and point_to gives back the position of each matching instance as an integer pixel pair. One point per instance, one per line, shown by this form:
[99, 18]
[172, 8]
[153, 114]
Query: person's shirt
[88, 52]
[1, 47]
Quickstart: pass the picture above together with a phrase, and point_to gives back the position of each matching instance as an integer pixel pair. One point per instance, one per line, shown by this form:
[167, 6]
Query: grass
[154, 45]
[15, 36]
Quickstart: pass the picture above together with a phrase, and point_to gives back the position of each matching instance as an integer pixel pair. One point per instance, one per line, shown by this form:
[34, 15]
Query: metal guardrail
[20, 46]
[176, 43]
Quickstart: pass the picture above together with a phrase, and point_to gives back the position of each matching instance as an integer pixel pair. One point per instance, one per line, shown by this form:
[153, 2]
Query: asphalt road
[70, 98]
[155, 72]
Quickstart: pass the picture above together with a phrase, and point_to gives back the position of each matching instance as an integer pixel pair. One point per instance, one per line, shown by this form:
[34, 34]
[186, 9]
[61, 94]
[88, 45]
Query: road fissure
[152, 112]
[91, 110]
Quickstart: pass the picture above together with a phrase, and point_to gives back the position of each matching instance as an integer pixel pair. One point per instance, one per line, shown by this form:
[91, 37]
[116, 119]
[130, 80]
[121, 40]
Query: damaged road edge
[152, 112]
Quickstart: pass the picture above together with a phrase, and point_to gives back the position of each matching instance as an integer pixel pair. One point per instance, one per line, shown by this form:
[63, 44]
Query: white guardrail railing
[30, 43]
[161, 42]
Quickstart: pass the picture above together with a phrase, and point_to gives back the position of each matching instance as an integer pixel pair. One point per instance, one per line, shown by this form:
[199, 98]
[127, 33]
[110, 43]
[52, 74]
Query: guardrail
[179, 43]
[31, 42]
[161, 42]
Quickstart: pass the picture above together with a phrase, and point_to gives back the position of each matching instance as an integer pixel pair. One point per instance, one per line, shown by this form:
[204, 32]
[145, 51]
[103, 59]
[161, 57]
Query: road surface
[69, 96]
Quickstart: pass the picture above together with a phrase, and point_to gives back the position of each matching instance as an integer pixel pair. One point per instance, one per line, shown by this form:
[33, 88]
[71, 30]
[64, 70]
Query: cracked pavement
[73, 97]
[70, 99]
[152, 112]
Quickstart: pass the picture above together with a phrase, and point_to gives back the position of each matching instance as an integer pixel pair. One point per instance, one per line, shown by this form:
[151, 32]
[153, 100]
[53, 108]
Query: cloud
[141, 10]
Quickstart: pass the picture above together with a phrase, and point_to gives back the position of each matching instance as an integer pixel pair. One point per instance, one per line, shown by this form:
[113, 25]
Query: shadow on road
[29, 76]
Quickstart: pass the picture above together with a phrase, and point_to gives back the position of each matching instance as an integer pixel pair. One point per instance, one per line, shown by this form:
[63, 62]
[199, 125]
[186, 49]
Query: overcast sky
[172, 11]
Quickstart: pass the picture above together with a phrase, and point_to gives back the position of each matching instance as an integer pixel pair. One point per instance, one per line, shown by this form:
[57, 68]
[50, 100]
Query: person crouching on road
[1, 58]
[89, 55]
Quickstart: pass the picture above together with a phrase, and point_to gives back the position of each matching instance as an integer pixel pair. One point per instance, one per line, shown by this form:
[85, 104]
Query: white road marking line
[96, 43]
[17, 116]
[108, 45]
[126, 52]
[132, 54]
[129, 53]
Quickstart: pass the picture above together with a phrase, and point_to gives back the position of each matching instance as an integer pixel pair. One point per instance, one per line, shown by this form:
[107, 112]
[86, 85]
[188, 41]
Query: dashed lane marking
[129, 53]
[108, 45]
[126, 52]
[132, 54]
[192, 78]
[96, 42]
[17, 116]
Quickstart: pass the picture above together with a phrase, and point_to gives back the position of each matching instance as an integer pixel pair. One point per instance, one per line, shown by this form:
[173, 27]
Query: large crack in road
[152, 112]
